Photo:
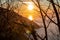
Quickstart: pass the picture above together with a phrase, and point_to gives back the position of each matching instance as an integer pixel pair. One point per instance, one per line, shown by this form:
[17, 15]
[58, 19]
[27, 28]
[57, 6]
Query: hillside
[12, 25]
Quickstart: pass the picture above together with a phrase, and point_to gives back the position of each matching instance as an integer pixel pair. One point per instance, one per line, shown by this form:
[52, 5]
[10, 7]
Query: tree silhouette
[15, 25]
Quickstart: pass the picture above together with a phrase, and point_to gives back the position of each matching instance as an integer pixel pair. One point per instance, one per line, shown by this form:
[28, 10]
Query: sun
[30, 6]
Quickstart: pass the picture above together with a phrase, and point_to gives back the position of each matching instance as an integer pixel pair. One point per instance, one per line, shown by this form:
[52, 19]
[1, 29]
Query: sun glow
[30, 17]
[30, 6]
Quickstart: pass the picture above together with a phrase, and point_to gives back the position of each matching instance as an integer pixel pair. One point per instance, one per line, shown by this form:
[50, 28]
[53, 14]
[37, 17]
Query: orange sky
[24, 11]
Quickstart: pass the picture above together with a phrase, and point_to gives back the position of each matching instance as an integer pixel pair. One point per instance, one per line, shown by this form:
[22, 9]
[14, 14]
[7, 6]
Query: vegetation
[14, 26]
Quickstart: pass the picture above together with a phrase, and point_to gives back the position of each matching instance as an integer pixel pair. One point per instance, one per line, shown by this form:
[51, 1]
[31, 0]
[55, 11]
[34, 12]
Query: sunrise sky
[29, 9]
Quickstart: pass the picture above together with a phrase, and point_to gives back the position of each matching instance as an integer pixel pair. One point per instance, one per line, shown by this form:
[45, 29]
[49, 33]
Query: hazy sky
[42, 1]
